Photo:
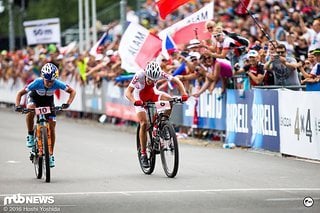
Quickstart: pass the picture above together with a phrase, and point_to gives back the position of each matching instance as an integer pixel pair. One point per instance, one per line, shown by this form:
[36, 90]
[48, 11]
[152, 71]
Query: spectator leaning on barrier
[216, 70]
[254, 70]
[314, 75]
[230, 46]
[194, 70]
[311, 58]
[210, 43]
[284, 67]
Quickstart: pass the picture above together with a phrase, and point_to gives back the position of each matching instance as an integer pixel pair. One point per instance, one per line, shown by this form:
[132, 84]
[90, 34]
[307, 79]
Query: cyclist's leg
[142, 117]
[52, 126]
[31, 104]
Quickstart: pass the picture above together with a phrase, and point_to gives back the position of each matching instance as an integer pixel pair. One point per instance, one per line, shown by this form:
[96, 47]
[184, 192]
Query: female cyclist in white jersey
[141, 89]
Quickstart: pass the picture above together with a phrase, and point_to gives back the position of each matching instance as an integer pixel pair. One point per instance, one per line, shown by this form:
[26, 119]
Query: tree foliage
[66, 10]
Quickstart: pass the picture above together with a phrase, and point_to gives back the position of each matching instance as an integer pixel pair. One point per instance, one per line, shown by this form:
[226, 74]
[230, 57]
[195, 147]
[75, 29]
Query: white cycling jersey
[139, 84]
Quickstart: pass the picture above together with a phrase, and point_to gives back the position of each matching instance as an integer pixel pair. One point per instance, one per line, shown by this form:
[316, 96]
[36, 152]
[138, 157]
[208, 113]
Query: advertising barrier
[264, 120]
[116, 105]
[252, 119]
[211, 111]
[300, 123]
[238, 117]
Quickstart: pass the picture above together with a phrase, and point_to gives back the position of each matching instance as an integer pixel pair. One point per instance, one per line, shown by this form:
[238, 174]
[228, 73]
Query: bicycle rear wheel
[150, 153]
[169, 149]
[46, 165]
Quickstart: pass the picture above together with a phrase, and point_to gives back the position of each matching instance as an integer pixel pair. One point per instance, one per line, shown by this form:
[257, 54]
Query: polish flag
[191, 31]
[243, 6]
[138, 47]
[183, 31]
[166, 7]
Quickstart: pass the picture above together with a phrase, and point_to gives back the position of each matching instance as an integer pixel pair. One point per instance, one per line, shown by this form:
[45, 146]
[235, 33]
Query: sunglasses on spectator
[206, 58]
[194, 59]
[217, 35]
[281, 52]
[209, 27]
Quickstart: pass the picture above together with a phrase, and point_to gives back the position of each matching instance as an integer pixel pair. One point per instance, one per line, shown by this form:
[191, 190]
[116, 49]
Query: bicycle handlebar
[174, 100]
[27, 110]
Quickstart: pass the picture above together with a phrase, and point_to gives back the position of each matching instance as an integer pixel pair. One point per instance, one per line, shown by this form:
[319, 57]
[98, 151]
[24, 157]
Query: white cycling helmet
[153, 71]
[49, 71]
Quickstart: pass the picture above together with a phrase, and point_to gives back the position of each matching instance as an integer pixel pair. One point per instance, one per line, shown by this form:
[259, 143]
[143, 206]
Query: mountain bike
[161, 138]
[40, 154]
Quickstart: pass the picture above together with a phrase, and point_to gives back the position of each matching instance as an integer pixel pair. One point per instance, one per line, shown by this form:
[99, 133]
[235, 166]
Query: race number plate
[42, 110]
[162, 106]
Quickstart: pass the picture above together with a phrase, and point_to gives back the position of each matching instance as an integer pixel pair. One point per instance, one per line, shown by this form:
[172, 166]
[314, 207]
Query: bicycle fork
[39, 139]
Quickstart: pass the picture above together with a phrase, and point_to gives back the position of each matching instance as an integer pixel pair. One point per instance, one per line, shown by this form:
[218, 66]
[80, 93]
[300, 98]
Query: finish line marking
[128, 193]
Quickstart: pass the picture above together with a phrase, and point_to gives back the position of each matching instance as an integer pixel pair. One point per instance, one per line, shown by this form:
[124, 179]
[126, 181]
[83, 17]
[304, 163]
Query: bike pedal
[31, 156]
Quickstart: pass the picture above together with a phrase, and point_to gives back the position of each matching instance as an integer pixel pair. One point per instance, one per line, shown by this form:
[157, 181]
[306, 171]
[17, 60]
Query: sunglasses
[149, 79]
[217, 35]
[209, 28]
[206, 58]
[49, 81]
[281, 52]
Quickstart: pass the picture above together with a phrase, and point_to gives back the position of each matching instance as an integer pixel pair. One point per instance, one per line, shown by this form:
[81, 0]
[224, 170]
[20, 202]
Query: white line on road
[289, 199]
[169, 191]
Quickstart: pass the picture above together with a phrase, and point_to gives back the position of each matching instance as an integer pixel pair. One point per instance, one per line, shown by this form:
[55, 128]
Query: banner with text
[211, 111]
[264, 120]
[238, 117]
[43, 31]
[300, 123]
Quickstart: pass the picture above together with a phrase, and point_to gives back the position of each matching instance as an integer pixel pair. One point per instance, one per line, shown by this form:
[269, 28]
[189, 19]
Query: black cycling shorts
[41, 101]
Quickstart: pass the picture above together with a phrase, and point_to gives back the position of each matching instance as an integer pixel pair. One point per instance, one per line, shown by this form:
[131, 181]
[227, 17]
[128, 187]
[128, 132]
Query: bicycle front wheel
[38, 164]
[46, 165]
[36, 159]
[169, 149]
[150, 153]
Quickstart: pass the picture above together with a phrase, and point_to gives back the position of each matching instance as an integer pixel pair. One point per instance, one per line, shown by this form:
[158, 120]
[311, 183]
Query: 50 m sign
[41, 32]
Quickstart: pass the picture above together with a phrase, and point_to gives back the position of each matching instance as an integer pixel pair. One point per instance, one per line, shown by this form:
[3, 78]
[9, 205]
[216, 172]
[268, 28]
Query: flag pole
[196, 32]
[256, 22]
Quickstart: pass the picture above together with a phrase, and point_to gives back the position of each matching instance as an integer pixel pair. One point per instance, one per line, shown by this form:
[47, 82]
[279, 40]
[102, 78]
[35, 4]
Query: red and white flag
[191, 31]
[137, 47]
[243, 7]
[183, 31]
[166, 7]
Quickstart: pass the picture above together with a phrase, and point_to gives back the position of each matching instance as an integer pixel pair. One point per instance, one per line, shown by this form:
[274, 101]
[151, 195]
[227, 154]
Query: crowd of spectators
[281, 38]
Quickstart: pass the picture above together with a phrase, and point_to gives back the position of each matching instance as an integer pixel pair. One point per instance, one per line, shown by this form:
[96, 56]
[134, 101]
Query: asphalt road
[97, 171]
